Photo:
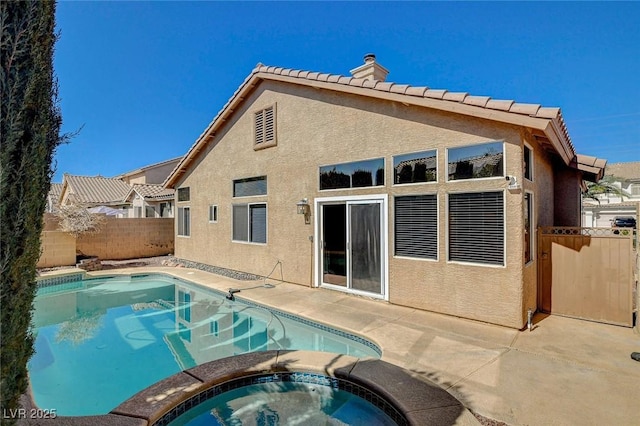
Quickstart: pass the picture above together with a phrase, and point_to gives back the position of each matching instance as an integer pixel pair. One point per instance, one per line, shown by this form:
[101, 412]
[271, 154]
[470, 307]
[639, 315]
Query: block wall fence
[117, 239]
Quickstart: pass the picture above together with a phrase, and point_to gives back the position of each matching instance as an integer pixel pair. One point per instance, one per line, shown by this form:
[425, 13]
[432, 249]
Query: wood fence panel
[586, 273]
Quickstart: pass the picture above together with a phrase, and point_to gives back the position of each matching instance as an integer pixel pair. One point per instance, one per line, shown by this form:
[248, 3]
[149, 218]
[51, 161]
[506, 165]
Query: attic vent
[265, 127]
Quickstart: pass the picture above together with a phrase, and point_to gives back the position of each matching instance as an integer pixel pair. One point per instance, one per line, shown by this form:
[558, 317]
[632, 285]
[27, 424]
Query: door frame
[383, 199]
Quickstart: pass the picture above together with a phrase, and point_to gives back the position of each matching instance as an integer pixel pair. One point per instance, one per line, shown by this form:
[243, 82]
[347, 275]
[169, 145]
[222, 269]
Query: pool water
[100, 341]
[285, 403]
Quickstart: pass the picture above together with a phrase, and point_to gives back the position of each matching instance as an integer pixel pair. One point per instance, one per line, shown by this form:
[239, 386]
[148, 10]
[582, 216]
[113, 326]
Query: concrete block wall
[57, 249]
[129, 238]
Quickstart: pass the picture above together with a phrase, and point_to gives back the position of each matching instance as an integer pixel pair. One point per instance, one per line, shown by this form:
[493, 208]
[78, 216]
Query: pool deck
[563, 372]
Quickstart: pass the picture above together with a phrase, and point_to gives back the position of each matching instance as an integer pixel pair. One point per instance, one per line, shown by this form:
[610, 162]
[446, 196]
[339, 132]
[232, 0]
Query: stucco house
[420, 197]
[600, 213]
[136, 194]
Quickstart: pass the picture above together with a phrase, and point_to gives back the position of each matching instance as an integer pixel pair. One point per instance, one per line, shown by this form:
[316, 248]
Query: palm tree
[606, 185]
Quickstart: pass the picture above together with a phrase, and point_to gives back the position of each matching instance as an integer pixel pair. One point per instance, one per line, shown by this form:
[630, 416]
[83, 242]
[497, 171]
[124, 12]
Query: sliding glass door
[351, 246]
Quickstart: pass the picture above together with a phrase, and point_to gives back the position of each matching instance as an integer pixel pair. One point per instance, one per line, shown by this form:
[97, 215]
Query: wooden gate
[587, 273]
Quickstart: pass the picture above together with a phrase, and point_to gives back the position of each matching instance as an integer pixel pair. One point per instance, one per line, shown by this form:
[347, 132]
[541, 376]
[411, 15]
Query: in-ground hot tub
[384, 388]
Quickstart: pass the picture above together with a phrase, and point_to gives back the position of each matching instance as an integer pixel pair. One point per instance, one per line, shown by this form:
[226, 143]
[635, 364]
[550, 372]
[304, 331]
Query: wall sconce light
[304, 209]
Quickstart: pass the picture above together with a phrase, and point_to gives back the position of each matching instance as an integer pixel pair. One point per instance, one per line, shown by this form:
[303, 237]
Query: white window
[476, 227]
[264, 125]
[528, 162]
[213, 213]
[415, 168]
[250, 223]
[528, 227]
[484, 160]
[165, 209]
[184, 221]
[149, 211]
[416, 226]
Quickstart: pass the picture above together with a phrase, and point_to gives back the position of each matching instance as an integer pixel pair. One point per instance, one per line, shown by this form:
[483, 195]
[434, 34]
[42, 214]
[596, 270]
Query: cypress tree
[29, 132]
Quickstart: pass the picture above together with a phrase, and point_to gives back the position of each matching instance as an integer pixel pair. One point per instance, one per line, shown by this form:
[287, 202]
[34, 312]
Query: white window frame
[393, 160]
[504, 163]
[213, 208]
[178, 230]
[248, 223]
[531, 160]
[504, 241]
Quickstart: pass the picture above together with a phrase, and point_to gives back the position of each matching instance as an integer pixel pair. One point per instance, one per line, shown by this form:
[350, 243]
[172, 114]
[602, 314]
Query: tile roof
[630, 170]
[55, 191]
[458, 102]
[152, 191]
[96, 189]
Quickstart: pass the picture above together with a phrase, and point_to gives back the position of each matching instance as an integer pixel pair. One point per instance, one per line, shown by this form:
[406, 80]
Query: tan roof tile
[97, 189]
[480, 101]
[435, 94]
[502, 105]
[416, 91]
[547, 112]
[455, 96]
[399, 88]
[526, 109]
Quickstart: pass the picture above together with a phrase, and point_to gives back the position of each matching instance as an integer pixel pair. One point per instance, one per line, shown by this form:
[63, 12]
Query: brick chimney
[371, 70]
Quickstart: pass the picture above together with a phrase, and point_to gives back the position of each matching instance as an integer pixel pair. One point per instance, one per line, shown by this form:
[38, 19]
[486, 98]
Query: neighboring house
[425, 198]
[138, 193]
[94, 191]
[152, 174]
[626, 177]
[151, 200]
[53, 197]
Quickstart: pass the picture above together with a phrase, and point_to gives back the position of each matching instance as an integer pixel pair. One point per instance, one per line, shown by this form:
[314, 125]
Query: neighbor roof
[547, 124]
[151, 192]
[150, 166]
[95, 189]
[630, 170]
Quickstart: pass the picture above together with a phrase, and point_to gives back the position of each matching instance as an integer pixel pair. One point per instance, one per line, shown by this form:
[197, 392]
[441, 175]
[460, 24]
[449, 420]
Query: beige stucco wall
[318, 127]
[57, 248]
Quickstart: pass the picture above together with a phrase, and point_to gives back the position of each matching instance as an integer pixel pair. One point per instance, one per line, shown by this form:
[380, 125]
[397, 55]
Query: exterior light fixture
[303, 208]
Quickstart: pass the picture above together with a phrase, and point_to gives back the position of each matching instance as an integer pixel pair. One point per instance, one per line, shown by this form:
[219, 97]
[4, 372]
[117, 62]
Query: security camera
[507, 177]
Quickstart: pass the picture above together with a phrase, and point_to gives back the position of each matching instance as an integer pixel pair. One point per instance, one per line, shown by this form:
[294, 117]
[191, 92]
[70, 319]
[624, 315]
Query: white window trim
[504, 165]
[532, 230]
[266, 226]
[393, 183]
[242, 197]
[504, 223]
[531, 161]
[178, 222]
[419, 259]
[317, 264]
[217, 212]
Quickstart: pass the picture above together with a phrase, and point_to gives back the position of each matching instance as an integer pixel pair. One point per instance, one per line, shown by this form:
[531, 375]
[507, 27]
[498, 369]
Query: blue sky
[144, 79]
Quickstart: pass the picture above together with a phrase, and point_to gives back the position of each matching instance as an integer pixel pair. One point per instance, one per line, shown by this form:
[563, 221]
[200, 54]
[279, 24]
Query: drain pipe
[530, 319]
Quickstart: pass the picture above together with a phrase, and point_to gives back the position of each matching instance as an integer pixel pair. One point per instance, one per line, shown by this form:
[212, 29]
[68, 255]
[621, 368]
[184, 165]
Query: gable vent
[265, 127]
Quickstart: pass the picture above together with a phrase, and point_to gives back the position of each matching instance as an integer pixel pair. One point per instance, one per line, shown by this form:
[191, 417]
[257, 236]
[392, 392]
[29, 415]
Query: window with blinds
[476, 227]
[416, 226]
[250, 186]
[250, 223]
[265, 127]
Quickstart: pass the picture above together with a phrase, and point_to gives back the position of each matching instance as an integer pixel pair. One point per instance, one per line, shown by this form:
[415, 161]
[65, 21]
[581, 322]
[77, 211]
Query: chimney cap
[370, 70]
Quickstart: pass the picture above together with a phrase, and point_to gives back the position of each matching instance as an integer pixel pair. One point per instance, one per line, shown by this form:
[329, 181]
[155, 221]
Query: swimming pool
[100, 341]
